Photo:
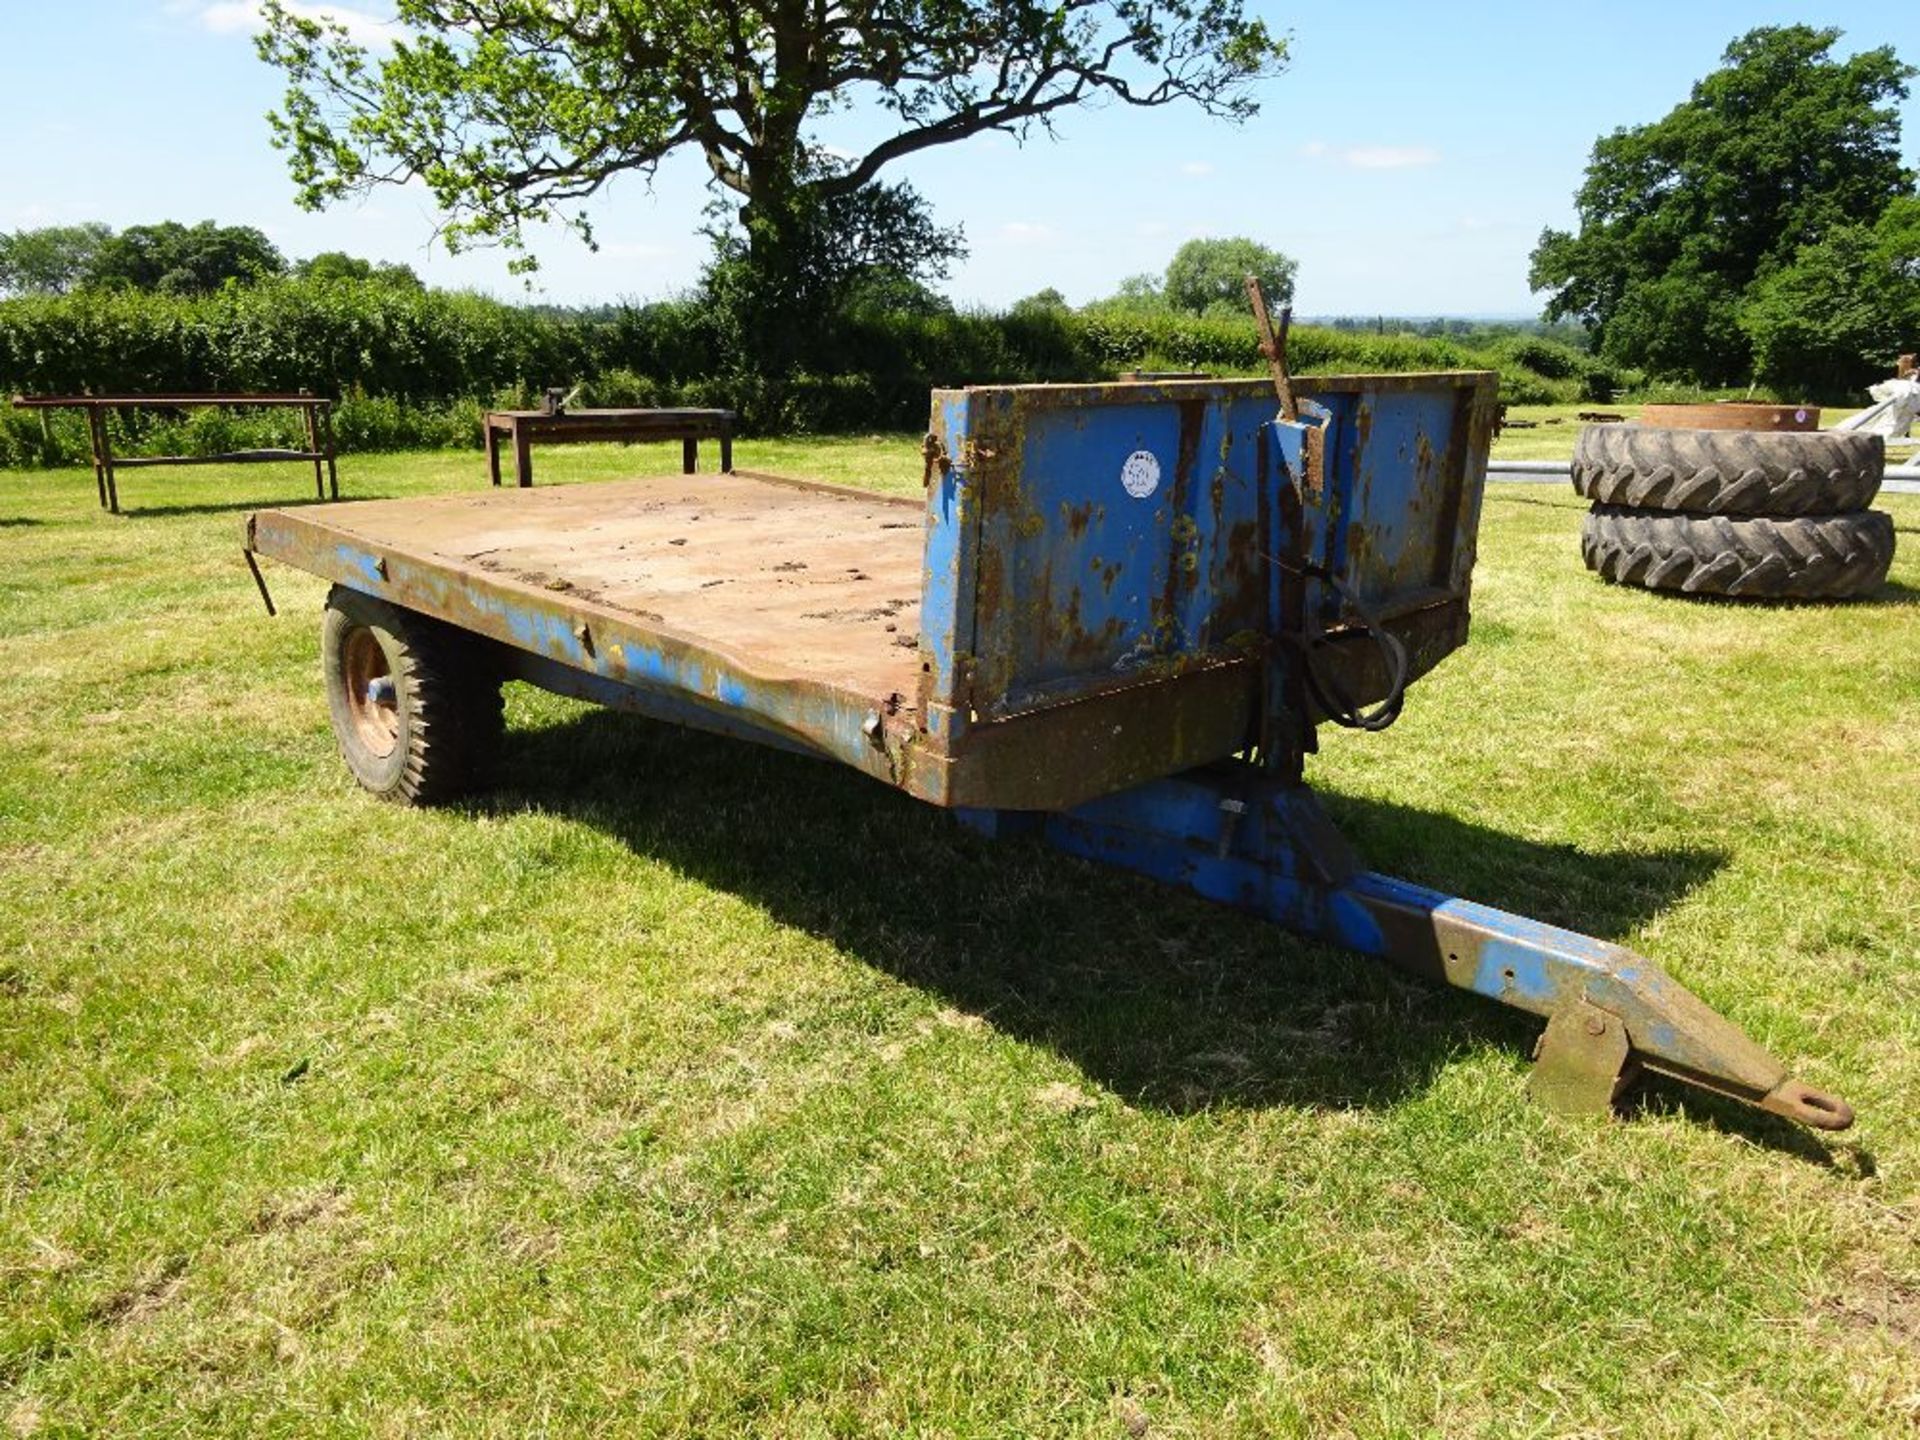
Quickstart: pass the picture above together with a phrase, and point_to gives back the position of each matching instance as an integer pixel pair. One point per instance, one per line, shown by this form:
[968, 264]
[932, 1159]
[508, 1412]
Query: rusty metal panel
[952, 556]
[1398, 467]
[1116, 540]
[1124, 530]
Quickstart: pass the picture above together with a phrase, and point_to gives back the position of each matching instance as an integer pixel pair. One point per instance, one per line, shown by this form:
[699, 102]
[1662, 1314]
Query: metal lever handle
[1274, 347]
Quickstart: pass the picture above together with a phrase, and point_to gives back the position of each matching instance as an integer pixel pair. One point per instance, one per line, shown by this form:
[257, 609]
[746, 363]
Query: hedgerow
[412, 369]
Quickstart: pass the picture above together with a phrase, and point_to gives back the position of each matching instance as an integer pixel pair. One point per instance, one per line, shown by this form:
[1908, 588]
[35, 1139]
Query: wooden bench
[520, 428]
[319, 427]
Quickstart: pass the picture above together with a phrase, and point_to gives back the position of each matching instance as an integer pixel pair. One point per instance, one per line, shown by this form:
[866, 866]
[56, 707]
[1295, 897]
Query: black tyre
[1729, 472]
[415, 704]
[1819, 557]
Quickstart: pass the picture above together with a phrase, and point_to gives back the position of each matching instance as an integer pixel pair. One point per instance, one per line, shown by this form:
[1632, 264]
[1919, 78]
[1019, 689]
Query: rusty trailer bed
[785, 606]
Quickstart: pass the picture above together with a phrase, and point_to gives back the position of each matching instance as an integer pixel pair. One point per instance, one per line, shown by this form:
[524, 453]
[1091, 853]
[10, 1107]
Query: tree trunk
[770, 330]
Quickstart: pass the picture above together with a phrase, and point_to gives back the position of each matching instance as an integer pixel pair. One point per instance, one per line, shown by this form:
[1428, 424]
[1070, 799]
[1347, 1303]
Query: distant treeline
[1471, 330]
[413, 367]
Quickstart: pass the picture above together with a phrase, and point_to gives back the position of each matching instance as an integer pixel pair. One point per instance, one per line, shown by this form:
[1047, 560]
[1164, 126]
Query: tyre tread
[457, 714]
[1820, 557]
[1728, 472]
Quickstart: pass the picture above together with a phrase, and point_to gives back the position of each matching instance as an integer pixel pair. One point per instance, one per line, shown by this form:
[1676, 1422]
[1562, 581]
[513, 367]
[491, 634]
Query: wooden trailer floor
[788, 578]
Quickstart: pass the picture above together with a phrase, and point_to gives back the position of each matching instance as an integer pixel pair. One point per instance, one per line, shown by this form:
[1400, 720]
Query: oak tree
[1832, 321]
[1209, 274]
[177, 259]
[1679, 220]
[515, 112]
[49, 259]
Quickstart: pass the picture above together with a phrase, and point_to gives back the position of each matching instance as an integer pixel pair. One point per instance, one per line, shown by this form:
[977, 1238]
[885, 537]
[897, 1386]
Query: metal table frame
[318, 418]
[520, 428]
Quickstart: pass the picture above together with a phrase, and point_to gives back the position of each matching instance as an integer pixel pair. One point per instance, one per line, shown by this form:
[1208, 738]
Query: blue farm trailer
[1115, 621]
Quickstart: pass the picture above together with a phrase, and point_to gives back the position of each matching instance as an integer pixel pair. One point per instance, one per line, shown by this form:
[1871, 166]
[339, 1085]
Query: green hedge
[412, 369]
[330, 337]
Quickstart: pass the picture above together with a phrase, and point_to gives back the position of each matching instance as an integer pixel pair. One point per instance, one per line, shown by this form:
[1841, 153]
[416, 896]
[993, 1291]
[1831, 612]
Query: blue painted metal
[669, 706]
[1101, 563]
[1294, 510]
[952, 566]
[1124, 531]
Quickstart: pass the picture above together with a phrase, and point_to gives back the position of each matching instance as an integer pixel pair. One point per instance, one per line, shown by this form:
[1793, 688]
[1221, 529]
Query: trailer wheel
[1728, 472]
[415, 704]
[1816, 557]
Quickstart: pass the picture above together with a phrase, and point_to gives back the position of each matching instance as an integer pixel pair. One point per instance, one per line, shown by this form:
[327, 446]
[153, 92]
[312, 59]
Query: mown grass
[681, 1087]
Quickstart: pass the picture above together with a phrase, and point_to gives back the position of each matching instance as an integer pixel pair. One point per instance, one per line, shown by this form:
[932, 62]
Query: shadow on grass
[227, 507]
[1891, 595]
[1163, 998]
[16, 522]
[1659, 1095]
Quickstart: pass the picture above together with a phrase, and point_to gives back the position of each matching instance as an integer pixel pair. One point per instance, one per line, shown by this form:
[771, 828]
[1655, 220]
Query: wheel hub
[373, 698]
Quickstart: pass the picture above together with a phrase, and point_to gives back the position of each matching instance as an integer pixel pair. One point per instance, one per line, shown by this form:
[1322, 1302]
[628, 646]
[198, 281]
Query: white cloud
[1372, 157]
[242, 17]
[1027, 232]
[1390, 157]
[1196, 167]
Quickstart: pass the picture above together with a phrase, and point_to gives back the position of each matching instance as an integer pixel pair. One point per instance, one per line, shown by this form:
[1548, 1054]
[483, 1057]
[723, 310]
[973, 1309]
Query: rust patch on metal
[1422, 464]
[1183, 564]
[1731, 415]
[1239, 601]
[1193, 415]
[1080, 643]
[1141, 728]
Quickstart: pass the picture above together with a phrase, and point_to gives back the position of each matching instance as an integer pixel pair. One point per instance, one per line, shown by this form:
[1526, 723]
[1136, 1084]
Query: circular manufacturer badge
[1140, 475]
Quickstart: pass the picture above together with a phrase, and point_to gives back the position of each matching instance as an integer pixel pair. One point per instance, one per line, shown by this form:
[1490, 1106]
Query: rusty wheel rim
[373, 700]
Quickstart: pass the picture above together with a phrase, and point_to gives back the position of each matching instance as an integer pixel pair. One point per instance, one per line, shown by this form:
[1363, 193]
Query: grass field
[682, 1088]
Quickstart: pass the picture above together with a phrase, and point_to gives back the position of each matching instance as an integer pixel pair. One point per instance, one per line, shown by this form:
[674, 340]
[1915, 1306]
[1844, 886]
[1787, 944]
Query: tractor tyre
[415, 704]
[1819, 557]
[1728, 472]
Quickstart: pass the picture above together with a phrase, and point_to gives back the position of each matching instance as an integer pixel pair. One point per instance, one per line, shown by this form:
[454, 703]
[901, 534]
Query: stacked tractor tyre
[1774, 515]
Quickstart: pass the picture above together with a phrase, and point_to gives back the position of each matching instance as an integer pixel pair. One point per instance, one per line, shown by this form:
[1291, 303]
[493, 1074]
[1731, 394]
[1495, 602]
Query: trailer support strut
[1232, 834]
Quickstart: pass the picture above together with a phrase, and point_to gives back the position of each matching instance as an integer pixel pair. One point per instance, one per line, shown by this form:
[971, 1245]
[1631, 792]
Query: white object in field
[1896, 406]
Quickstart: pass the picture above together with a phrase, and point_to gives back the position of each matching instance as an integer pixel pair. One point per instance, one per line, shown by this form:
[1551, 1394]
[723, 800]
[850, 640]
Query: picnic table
[319, 427]
[556, 426]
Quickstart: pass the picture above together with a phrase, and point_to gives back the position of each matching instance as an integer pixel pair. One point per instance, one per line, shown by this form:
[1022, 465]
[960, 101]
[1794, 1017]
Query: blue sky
[1407, 160]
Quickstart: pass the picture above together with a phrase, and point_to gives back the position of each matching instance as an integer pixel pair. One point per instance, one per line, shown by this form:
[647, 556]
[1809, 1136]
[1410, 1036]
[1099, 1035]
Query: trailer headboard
[1087, 538]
